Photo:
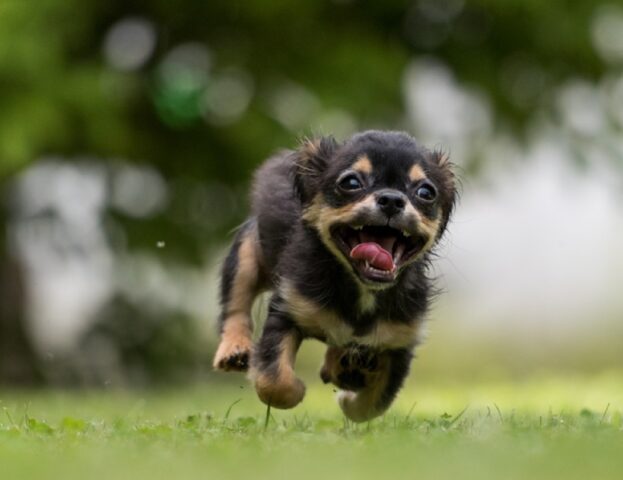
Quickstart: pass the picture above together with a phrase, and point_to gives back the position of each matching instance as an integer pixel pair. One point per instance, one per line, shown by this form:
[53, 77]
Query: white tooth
[405, 233]
[358, 227]
[367, 264]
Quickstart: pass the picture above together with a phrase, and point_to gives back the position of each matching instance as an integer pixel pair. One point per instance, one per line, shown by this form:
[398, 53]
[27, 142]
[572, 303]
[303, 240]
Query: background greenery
[190, 96]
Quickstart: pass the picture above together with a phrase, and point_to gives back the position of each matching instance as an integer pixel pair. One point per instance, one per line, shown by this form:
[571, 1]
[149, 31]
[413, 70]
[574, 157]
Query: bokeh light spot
[129, 43]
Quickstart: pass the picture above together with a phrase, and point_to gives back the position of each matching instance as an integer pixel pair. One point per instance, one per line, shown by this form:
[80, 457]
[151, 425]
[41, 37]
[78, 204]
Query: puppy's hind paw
[357, 407]
[356, 374]
[350, 368]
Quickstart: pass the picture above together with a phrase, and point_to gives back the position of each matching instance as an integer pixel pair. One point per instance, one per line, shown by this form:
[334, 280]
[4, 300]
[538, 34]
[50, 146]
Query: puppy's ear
[448, 185]
[442, 160]
[311, 160]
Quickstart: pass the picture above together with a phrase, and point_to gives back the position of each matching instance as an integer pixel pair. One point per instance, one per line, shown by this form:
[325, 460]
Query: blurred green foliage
[201, 91]
[60, 96]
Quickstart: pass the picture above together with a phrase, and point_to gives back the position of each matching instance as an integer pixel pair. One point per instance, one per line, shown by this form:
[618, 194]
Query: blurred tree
[203, 90]
[298, 66]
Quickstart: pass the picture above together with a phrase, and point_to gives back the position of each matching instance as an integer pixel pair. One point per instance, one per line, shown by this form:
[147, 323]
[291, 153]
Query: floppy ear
[311, 160]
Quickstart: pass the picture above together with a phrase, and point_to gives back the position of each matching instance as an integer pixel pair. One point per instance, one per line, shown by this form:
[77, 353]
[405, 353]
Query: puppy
[342, 234]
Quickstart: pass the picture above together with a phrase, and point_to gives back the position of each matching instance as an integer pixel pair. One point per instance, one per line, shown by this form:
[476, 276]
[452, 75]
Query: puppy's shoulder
[274, 178]
[275, 205]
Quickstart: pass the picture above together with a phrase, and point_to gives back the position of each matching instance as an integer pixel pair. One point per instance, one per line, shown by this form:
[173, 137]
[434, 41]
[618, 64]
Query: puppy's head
[379, 201]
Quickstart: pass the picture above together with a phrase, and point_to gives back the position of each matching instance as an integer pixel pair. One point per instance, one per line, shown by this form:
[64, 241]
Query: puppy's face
[379, 202]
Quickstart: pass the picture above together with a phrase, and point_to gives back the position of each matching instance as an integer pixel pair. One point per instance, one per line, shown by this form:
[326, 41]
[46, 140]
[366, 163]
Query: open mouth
[377, 252]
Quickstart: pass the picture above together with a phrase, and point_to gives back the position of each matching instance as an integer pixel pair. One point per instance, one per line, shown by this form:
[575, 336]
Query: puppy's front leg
[240, 284]
[272, 366]
[376, 397]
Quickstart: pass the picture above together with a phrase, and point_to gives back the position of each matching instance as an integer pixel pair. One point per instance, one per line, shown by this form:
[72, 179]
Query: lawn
[546, 427]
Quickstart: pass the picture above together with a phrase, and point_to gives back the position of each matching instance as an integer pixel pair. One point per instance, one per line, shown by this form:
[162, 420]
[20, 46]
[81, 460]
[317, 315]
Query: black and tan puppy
[341, 233]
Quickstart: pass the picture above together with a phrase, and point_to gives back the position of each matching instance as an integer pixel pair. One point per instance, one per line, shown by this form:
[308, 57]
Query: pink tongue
[374, 254]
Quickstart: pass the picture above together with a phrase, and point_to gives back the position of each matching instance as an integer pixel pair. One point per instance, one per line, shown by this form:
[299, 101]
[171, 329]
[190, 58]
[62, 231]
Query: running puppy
[341, 233]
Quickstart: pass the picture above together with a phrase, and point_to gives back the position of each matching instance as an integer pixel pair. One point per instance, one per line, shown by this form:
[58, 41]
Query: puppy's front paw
[233, 354]
[285, 391]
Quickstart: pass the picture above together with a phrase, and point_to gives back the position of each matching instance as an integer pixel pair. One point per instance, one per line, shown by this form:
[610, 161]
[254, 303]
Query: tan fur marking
[367, 300]
[317, 320]
[286, 390]
[310, 146]
[323, 217]
[237, 326]
[427, 226]
[281, 393]
[416, 173]
[314, 319]
[391, 335]
[331, 366]
[245, 280]
[442, 159]
[289, 347]
[235, 339]
[363, 165]
[430, 227]
[411, 211]
[362, 405]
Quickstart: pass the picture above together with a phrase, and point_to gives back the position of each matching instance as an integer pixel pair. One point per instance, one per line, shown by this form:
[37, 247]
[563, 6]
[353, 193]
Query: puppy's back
[275, 205]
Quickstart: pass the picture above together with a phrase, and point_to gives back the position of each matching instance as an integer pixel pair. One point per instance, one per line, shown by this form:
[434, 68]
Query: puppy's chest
[376, 330]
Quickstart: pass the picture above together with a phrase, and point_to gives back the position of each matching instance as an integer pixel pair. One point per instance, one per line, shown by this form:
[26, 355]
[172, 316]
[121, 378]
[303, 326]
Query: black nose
[391, 202]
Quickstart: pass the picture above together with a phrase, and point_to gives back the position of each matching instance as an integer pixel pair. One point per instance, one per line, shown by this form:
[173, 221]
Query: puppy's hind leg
[240, 284]
[375, 398]
[351, 367]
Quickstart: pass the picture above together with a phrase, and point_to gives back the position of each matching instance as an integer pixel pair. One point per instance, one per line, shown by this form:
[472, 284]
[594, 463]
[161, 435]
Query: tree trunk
[18, 361]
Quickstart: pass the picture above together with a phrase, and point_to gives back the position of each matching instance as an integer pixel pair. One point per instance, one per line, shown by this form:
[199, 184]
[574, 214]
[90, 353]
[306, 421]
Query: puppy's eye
[350, 183]
[426, 192]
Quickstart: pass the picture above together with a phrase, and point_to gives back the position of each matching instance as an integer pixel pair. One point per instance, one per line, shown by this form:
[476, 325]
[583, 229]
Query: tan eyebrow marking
[416, 173]
[363, 165]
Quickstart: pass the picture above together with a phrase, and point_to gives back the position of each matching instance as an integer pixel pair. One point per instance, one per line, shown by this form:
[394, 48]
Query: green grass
[543, 428]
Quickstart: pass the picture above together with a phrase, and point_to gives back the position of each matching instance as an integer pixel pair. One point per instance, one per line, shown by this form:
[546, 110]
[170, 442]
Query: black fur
[400, 363]
[278, 325]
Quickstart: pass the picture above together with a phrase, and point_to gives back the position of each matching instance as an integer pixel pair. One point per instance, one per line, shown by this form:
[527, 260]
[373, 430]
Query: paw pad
[238, 362]
[232, 358]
